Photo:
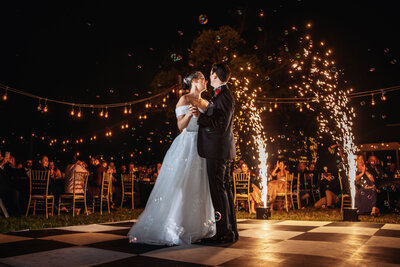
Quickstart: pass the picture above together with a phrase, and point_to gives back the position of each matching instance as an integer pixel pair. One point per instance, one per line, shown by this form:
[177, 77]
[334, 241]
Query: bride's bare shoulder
[183, 101]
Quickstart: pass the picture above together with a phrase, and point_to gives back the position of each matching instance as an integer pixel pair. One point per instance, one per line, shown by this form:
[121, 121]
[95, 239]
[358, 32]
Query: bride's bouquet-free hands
[194, 110]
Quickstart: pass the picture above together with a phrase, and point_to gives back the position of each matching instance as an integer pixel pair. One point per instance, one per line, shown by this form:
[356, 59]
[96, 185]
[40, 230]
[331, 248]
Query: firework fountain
[320, 79]
[248, 96]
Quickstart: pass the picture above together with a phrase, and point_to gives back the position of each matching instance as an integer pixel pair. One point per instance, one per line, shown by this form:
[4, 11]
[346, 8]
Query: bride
[179, 210]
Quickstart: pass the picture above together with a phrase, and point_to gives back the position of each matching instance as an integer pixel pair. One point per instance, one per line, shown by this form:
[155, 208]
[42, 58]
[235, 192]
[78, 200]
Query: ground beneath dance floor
[261, 243]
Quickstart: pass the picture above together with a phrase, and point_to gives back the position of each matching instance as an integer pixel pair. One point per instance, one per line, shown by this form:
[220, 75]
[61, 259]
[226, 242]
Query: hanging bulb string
[112, 105]
[291, 100]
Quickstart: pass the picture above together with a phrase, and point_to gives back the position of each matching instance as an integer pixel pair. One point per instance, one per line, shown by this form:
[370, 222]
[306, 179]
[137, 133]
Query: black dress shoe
[209, 240]
[226, 239]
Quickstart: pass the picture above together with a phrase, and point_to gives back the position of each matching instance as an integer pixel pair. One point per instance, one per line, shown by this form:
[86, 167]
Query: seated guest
[254, 190]
[376, 170]
[94, 183]
[278, 183]
[301, 175]
[380, 175]
[131, 168]
[365, 199]
[123, 170]
[55, 172]
[391, 170]
[116, 187]
[28, 165]
[239, 167]
[56, 183]
[8, 193]
[74, 166]
[43, 164]
[329, 188]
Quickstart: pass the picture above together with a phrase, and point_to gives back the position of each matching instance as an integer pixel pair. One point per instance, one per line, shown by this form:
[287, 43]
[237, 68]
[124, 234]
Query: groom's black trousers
[221, 194]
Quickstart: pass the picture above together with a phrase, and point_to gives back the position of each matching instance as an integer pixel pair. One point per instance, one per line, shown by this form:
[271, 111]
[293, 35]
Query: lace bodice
[192, 125]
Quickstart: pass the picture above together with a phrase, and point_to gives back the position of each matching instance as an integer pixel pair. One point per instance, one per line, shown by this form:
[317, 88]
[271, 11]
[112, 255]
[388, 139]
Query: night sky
[106, 52]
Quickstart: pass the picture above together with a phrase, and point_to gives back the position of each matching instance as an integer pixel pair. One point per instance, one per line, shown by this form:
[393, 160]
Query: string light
[5, 96]
[72, 111]
[39, 107]
[45, 109]
[106, 114]
[130, 110]
[383, 97]
[101, 113]
[372, 100]
[125, 110]
[79, 113]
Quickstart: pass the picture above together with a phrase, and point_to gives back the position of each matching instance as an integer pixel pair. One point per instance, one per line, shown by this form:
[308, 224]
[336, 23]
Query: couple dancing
[192, 200]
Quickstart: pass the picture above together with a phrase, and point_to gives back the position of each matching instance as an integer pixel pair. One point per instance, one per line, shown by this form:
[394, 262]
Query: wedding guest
[8, 192]
[94, 183]
[43, 164]
[55, 172]
[239, 166]
[391, 170]
[329, 188]
[123, 170]
[116, 187]
[301, 175]
[365, 199]
[277, 183]
[255, 192]
[56, 183]
[131, 168]
[75, 165]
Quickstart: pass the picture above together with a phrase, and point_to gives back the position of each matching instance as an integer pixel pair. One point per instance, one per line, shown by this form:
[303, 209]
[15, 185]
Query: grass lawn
[40, 221]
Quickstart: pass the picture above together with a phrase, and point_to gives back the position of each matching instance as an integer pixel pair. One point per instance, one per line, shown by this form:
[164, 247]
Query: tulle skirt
[179, 210]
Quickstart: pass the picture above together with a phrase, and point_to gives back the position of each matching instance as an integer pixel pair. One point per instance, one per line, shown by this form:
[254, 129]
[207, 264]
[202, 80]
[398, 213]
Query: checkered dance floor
[261, 243]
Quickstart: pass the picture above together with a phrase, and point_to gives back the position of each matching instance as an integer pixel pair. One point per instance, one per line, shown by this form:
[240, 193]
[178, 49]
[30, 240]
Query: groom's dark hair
[222, 70]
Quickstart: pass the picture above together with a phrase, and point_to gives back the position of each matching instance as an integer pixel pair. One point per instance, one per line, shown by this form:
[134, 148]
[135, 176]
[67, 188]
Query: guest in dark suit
[216, 144]
[94, 183]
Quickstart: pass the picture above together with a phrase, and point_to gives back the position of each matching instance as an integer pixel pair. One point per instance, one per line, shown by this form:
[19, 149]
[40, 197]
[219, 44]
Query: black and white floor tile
[261, 243]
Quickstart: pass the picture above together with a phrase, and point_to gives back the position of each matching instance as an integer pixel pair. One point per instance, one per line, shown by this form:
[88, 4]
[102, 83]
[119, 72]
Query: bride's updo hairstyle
[187, 81]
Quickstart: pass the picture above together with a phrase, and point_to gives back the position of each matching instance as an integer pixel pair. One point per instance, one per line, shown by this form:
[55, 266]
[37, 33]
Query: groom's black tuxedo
[216, 143]
[215, 139]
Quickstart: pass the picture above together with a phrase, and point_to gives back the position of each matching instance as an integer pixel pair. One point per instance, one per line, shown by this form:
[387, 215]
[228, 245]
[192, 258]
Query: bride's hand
[194, 111]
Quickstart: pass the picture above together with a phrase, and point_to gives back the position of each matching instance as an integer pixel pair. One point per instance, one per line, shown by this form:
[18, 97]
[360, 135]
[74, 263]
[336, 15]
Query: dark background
[107, 52]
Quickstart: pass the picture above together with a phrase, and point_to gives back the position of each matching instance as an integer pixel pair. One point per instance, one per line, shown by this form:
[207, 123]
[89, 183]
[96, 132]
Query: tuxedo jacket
[215, 138]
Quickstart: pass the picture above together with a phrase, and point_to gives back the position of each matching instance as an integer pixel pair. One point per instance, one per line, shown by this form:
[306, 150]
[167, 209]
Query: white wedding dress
[179, 210]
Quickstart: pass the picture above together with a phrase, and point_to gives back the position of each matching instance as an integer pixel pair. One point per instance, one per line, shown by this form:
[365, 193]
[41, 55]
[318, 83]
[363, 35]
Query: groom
[216, 144]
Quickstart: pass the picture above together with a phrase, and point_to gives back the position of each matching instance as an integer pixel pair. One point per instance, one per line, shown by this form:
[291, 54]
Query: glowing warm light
[255, 123]
[335, 103]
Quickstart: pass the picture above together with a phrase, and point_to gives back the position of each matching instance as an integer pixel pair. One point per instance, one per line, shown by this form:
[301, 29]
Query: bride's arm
[183, 120]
